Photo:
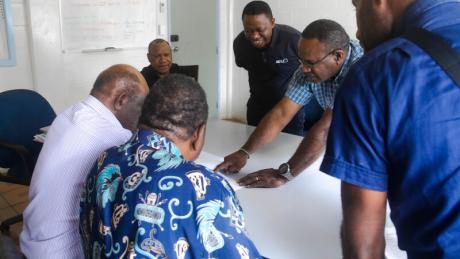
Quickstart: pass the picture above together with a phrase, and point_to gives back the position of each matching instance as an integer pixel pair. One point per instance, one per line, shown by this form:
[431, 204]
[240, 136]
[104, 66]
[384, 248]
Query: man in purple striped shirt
[75, 139]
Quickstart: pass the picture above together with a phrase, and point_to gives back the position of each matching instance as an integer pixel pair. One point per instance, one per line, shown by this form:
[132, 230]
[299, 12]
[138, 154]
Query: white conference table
[298, 220]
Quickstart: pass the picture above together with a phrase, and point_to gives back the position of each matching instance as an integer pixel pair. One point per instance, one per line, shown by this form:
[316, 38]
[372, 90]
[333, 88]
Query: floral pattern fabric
[143, 200]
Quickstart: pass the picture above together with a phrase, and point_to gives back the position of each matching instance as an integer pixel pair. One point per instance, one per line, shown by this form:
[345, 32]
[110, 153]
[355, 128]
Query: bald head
[156, 42]
[122, 89]
[115, 78]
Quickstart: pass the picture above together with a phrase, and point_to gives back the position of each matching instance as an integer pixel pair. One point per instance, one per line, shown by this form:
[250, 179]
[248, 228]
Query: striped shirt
[301, 90]
[74, 141]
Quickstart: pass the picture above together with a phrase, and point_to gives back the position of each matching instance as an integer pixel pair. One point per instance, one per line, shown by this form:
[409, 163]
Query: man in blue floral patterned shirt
[148, 199]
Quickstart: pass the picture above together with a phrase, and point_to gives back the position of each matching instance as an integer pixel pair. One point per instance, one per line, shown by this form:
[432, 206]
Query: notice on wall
[107, 24]
[3, 42]
[7, 52]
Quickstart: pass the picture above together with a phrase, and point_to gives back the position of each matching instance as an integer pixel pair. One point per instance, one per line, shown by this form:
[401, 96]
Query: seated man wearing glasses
[326, 54]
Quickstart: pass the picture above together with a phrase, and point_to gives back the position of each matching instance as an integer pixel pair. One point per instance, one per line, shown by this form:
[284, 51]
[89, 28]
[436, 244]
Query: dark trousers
[302, 121]
[313, 113]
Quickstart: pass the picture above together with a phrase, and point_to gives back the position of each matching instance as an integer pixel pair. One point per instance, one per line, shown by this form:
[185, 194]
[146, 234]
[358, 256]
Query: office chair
[191, 70]
[22, 112]
[8, 249]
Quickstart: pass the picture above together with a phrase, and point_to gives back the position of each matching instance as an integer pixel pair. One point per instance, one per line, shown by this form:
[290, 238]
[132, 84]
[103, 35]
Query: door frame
[225, 57]
[224, 62]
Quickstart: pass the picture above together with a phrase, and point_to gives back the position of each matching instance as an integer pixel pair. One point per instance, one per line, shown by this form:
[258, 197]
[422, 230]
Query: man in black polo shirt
[160, 59]
[268, 51]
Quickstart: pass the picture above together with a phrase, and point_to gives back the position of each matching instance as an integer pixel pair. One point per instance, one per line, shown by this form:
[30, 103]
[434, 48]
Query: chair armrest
[24, 155]
[19, 149]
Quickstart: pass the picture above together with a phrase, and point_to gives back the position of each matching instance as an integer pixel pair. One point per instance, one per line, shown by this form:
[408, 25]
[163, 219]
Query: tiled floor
[13, 200]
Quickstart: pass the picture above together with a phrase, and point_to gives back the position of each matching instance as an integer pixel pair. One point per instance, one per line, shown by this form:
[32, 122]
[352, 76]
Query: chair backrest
[191, 70]
[22, 112]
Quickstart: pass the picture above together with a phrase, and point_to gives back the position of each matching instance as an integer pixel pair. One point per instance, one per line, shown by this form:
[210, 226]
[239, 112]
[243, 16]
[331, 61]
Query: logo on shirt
[282, 61]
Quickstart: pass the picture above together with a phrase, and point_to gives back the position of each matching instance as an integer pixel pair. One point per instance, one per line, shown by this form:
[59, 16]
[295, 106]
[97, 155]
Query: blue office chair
[22, 114]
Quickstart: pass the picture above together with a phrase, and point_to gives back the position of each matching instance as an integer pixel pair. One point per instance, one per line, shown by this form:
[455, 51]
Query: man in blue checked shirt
[147, 199]
[326, 54]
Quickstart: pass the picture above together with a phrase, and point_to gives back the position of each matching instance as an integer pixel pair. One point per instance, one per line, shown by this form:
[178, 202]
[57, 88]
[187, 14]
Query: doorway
[195, 23]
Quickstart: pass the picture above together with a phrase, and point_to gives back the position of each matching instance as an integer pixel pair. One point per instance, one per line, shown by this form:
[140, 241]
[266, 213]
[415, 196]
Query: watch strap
[287, 173]
[288, 176]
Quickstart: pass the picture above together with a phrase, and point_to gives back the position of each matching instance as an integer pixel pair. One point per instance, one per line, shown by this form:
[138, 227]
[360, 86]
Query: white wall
[62, 78]
[196, 24]
[66, 79]
[18, 76]
[296, 13]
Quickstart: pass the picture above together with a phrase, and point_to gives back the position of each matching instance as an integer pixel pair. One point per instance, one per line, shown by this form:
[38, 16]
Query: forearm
[312, 145]
[267, 130]
[272, 124]
[363, 223]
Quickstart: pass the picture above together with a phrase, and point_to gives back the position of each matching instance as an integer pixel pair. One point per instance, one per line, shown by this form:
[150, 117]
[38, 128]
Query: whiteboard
[7, 50]
[64, 78]
[107, 24]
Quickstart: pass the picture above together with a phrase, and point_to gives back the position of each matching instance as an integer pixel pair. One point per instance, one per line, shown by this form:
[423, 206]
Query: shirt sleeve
[237, 50]
[298, 89]
[355, 150]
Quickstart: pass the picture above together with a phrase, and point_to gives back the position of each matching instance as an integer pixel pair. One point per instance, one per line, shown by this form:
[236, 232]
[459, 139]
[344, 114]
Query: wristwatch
[285, 170]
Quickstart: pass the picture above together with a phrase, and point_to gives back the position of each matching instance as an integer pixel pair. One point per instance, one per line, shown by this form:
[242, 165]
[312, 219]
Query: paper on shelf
[211, 161]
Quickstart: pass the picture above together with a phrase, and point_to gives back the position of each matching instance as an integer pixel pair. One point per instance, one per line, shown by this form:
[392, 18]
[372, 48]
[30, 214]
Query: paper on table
[45, 129]
[211, 161]
[40, 138]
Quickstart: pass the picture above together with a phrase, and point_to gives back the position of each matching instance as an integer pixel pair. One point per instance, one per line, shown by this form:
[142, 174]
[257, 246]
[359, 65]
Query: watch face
[283, 168]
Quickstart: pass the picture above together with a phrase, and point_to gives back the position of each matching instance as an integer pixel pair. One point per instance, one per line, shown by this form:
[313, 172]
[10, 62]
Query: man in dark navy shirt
[161, 65]
[395, 134]
[268, 51]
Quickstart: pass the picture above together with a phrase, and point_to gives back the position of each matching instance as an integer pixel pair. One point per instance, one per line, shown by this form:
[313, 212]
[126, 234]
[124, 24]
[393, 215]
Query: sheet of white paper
[45, 129]
[40, 138]
[211, 161]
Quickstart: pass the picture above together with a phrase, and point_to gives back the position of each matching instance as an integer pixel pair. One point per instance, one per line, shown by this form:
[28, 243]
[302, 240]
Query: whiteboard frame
[11, 59]
[110, 48]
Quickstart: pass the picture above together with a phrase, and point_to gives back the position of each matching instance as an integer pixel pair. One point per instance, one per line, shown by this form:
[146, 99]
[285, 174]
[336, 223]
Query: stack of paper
[41, 136]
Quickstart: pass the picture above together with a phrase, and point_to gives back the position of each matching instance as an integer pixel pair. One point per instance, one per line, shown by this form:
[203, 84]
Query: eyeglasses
[313, 64]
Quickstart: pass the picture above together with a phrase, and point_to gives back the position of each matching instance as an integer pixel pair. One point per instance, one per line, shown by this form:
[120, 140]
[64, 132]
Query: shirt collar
[102, 110]
[275, 33]
[354, 53]
[156, 141]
